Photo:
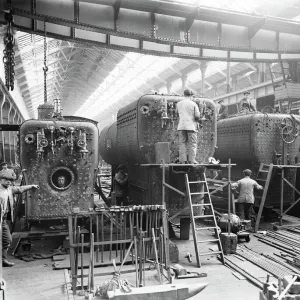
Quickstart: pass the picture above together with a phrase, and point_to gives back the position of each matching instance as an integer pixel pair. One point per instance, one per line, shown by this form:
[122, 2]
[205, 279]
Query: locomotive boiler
[145, 133]
[255, 138]
[60, 154]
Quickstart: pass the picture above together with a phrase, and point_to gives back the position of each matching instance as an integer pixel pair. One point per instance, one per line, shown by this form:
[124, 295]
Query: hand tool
[82, 240]
[97, 237]
[155, 253]
[136, 262]
[111, 233]
[102, 236]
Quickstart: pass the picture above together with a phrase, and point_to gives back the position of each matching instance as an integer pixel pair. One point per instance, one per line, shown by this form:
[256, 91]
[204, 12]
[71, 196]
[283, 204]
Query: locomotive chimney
[45, 111]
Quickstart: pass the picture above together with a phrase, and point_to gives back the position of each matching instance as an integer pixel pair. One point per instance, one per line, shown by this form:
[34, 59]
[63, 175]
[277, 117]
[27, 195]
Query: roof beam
[253, 29]
[190, 19]
[117, 7]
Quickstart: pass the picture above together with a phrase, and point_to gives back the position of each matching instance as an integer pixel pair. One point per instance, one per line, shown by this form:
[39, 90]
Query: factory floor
[37, 280]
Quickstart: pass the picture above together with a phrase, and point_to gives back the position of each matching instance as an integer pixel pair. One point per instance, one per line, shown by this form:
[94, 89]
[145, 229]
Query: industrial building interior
[150, 149]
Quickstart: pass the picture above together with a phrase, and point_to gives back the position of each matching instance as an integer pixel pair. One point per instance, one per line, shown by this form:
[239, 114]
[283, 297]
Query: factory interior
[150, 149]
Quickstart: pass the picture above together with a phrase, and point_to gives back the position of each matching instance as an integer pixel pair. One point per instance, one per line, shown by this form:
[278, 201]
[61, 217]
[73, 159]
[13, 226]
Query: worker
[121, 186]
[189, 115]
[61, 181]
[245, 104]
[223, 110]
[7, 209]
[4, 166]
[246, 196]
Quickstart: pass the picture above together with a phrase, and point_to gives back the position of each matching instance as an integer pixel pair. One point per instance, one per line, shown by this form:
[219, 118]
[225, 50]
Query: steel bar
[111, 235]
[97, 237]
[102, 237]
[82, 240]
[136, 262]
[243, 272]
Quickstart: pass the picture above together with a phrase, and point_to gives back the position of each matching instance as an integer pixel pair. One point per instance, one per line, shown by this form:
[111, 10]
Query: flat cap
[188, 92]
[247, 93]
[6, 174]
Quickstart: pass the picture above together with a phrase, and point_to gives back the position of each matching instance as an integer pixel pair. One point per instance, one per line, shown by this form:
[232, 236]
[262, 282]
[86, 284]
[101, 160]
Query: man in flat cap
[4, 166]
[245, 201]
[189, 116]
[245, 104]
[7, 192]
[223, 110]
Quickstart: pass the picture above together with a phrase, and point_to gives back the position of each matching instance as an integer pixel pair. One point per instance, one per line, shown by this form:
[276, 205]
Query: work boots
[6, 263]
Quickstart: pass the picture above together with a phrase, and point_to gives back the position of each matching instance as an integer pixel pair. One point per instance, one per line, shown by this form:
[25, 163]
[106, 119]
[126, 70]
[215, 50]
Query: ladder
[283, 71]
[211, 216]
[263, 178]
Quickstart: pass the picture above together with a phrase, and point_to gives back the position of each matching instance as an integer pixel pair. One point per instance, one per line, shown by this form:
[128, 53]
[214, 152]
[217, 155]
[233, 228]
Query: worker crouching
[7, 192]
[245, 200]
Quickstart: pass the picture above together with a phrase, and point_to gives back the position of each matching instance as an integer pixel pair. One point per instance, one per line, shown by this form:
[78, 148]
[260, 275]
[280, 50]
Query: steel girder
[162, 28]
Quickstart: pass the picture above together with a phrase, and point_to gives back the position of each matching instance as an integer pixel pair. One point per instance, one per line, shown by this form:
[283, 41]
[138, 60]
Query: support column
[215, 90]
[234, 83]
[261, 72]
[169, 87]
[10, 133]
[15, 118]
[183, 80]
[228, 88]
[203, 67]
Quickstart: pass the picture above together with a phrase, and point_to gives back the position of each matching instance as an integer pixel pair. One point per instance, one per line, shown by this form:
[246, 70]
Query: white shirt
[189, 113]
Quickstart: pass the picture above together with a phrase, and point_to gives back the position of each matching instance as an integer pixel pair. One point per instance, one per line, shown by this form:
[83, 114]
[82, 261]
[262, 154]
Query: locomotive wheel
[287, 134]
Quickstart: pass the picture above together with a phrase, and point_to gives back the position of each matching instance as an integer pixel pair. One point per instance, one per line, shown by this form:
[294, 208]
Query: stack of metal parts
[287, 240]
[111, 230]
[265, 262]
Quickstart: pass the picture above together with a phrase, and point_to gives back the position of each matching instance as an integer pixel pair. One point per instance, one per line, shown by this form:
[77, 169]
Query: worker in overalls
[7, 192]
[189, 116]
[121, 186]
[245, 201]
[223, 110]
[245, 104]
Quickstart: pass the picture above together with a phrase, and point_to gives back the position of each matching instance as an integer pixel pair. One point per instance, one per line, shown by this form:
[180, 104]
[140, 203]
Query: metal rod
[82, 240]
[97, 237]
[102, 236]
[281, 196]
[156, 256]
[229, 195]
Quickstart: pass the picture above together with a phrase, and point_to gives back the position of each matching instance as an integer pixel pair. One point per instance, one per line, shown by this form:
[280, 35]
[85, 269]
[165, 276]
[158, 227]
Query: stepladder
[204, 225]
[263, 178]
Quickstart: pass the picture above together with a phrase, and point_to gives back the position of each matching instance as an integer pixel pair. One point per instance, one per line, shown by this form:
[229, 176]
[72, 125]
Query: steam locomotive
[60, 154]
[145, 133]
[255, 138]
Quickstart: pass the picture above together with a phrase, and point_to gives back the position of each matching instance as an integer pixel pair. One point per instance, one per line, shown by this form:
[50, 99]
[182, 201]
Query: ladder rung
[207, 227]
[201, 204]
[197, 181]
[204, 216]
[199, 193]
[211, 240]
[264, 171]
[259, 179]
[210, 253]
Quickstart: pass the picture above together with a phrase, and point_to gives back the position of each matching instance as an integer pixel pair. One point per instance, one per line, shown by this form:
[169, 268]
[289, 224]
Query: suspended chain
[45, 68]
[9, 53]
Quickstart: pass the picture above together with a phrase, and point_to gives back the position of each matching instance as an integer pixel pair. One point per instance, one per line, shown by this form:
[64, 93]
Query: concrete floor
[38, 281]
